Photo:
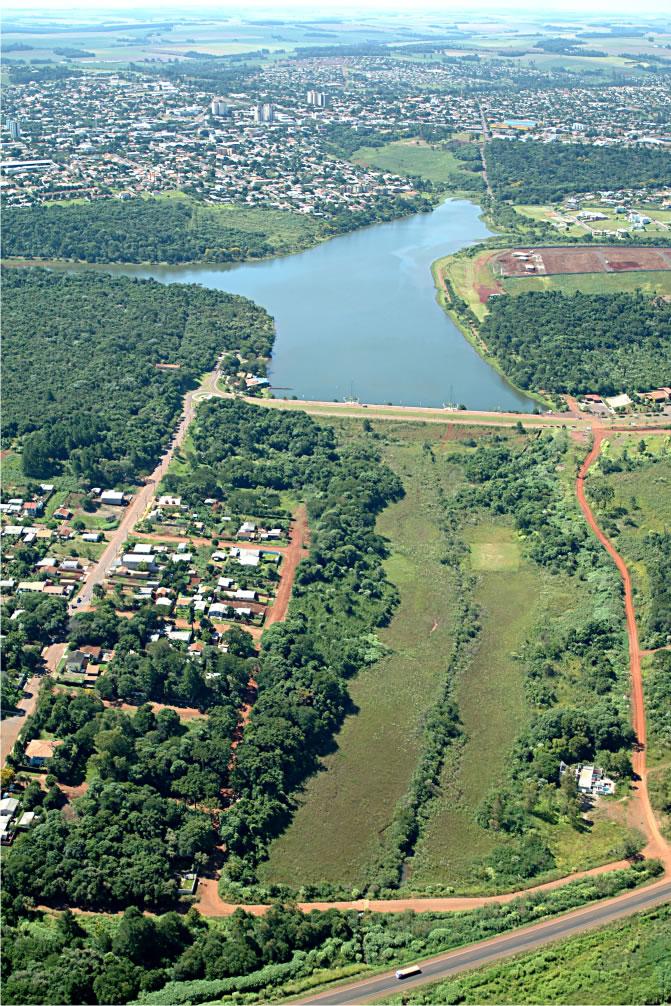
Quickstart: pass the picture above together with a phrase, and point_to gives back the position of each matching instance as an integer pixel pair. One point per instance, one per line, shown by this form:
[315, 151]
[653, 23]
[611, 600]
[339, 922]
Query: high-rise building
[317, 98]
[14, 128]
[264, 113]
[219, 108]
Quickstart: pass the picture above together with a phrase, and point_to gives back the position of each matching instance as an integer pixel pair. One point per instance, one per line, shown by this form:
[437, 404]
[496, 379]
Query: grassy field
[345, 809]
[654, 283]
[468, 276]
[493, 708]
[412, 157]
[625, 962]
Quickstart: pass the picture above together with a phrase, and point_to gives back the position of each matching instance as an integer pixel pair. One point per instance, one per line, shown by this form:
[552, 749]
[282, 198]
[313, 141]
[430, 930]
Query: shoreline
[443, 299]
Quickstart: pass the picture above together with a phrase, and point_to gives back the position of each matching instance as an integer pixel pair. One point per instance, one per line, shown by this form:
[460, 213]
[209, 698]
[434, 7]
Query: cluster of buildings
[658, 398]
[590, 779]
[128, 133]
[13, 819]
[231, 583]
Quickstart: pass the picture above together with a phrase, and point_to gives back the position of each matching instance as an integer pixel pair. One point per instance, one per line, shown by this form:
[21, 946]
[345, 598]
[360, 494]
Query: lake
[357, 316]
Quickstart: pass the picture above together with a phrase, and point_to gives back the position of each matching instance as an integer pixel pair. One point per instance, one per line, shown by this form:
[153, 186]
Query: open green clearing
[654, 282]
[345, 810]
[493, 710]
[627, 961]
[414, 157]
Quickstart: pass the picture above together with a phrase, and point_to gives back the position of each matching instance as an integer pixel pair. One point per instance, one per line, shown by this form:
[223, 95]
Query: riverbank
[356, 316]
[472, 335]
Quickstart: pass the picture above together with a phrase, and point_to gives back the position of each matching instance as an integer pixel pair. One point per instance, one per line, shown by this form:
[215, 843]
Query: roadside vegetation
[626, 961]
[173, 959]
[630, 493]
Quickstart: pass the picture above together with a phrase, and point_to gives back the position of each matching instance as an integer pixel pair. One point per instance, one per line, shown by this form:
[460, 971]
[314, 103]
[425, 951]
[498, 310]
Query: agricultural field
[626, 961]
[415, 157]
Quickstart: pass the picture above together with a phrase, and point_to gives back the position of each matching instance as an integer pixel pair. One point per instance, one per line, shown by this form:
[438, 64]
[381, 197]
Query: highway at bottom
[528, 938]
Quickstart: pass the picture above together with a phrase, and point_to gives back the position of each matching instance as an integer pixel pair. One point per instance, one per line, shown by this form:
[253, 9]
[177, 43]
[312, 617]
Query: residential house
[39, 753]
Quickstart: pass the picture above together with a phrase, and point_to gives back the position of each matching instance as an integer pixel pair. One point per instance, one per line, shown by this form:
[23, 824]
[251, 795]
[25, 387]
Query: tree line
[579, 343]
[546, 172]
[171, 959]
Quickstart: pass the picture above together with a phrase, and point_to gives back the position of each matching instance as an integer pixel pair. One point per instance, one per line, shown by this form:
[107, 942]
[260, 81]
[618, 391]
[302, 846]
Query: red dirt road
[211, 904]
[296, 550]
[12, 725]
[657, 845]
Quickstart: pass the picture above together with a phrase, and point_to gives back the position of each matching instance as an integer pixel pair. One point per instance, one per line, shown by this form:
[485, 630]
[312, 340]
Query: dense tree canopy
[81, 382]
[545, 172]
[152, 230]
[578, 343]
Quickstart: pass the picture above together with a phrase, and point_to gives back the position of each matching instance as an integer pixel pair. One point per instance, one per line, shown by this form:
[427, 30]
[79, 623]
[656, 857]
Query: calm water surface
[357, 316]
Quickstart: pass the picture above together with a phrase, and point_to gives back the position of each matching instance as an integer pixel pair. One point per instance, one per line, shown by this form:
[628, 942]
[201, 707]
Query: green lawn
[625, 962]
[412, 157]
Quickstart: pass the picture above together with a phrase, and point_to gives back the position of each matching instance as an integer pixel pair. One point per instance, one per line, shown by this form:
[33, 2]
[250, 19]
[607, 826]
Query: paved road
[142, 499]
[487, 952]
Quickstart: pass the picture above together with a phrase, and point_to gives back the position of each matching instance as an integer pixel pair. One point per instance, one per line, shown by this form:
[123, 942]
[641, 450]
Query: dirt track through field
[656, 846]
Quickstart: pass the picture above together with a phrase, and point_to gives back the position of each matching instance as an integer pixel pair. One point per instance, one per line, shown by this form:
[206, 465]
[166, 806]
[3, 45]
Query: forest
[81, 382]
[152, 230]
[174, 958]
[546, 172]
[180, 230]
[580, 343]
